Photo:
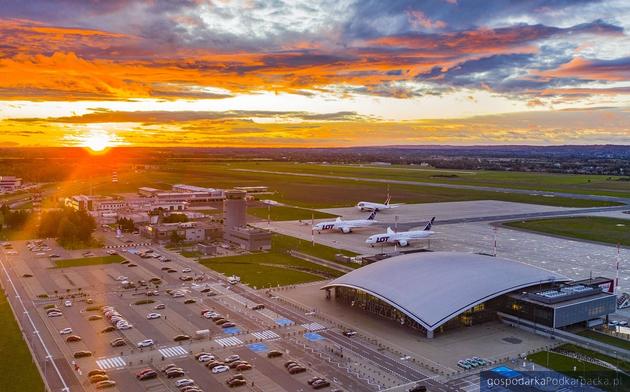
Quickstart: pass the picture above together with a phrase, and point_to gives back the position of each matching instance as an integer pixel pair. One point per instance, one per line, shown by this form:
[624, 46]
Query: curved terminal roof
[434, 287]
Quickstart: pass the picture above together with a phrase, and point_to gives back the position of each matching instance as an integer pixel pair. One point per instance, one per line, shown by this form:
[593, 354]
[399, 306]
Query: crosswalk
[265, 335]
[174, 351]
[228, 342]
[111, 363]
[313, 326]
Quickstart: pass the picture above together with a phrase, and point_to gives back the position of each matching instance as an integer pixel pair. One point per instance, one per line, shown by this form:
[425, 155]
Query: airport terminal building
[437, 291]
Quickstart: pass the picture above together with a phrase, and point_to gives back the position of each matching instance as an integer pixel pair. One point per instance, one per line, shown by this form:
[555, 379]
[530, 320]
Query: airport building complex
[10, 183]
[436, 291]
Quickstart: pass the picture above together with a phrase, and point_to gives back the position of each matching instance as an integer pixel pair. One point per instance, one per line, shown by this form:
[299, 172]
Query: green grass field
[585, 184]
[284, 213]
[613, 341]
[88, 261]
[270, 269]
[315, 192]
[284, 243]
[601, 229]
[565, 365]
[17, 371]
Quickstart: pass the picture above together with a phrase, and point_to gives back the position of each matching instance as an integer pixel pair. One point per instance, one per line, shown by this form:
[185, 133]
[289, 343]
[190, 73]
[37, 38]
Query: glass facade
[366, 302]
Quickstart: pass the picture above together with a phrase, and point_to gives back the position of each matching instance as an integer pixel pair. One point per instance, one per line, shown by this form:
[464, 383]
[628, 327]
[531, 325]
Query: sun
[97, 141]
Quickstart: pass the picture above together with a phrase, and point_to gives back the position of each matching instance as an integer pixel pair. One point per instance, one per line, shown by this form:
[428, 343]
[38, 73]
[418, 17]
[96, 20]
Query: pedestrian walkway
[266, 335]
[313, 327]
[229, 342]
[175, 351]
[111, 363]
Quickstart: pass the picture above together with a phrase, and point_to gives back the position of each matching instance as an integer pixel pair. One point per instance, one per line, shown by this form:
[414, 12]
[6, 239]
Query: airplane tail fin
[429, 225]
[390, 231]
[372, 215]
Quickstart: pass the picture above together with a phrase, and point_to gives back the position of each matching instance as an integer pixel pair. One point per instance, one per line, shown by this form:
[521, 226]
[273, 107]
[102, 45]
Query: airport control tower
[234, 210]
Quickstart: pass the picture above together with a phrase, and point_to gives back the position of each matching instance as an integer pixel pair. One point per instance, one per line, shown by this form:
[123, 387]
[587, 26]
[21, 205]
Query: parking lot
[87, 288]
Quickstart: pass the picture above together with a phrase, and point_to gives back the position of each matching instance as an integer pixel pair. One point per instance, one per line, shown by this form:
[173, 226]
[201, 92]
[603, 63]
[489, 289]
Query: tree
[176, 238]
[175, 218]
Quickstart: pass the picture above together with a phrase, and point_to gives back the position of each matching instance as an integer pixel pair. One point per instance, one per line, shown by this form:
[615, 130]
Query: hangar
[435, 291]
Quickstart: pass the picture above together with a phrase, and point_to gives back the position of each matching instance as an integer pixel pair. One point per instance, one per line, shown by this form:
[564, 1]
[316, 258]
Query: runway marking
[266, 335]
[229, 342]
[111, 363]
[174, 351]
[313, 326]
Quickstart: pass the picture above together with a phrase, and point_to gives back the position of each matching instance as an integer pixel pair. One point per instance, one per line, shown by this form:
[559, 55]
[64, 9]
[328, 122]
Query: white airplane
[345, 226]
[371, 206]
[401, 238]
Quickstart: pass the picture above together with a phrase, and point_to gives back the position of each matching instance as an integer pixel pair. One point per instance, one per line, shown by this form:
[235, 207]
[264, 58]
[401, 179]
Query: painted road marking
[313, 327]
[265, 335]
[228, 342]
[111, 363]
[174, 351]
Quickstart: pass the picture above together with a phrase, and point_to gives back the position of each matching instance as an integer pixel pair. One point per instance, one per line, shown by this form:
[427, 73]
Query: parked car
[82, 354]
[418, 388]
[175, 372]
[243, 366]
[167, 367]
[297, 369]
[212, 364]
[189, 301]
[321, 383]
[148, 375]
[186, 270]
[105, 384]
[145, 343]
[95, 372]
[184, 382]
[274, 354]
[73, 338]
[228, 325]
[349, 332]
[142, 371]
[232, 358]
[159, 307]
[180, 338]
[236, 383]
[258, 307]
[220, 369]
[118, 342]
[55, 314]
[65, 331]
[97, 378]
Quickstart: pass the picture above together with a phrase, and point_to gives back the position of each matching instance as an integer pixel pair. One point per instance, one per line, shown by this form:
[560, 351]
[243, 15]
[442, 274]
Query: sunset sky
[314, 73]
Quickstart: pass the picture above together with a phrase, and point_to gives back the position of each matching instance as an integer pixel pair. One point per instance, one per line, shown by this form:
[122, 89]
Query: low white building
[10, 183]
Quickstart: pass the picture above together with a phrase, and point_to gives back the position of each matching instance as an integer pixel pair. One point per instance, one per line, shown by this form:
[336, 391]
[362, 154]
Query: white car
[65, 331]
[220, 369]
[55, 314]
[67, 304]
[152, 316]
[186, 270]
[121, 278]
[232, 358]
[111, 252]
[145, 343]
[12, 252]
[206, 358]
[184, 382]
[210, 315]
[123, 327]
[177, 294]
